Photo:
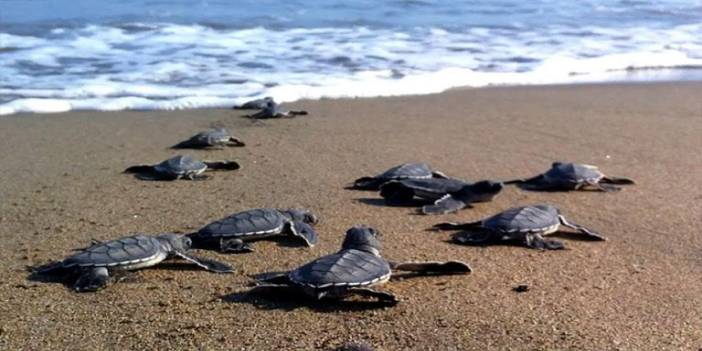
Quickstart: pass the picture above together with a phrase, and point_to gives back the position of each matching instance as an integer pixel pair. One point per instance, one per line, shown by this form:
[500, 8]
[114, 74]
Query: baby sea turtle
[353, 271]
[178, 167]
[211, 138]
[571, 176]
[229, 234]
[526, 224]
[273, 110]
[92, 266]
[257, 104]
[447, 194]
[404, 171]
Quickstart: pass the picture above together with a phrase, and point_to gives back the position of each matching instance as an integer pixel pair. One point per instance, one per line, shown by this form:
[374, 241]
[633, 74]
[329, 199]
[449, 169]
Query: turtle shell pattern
[527, 219]
[180, 165]
[351, 268]
[407, 171]
[128, 251]
[257, 222]
[573, 173]
[437, 186]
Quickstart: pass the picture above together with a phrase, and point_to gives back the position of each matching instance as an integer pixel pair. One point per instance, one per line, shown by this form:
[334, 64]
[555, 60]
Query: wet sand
[62, 186]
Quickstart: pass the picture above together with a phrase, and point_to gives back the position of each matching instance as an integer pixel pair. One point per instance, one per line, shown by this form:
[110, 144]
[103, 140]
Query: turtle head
[175, 242]
[301, 215]
[484, 190]
[362, 238]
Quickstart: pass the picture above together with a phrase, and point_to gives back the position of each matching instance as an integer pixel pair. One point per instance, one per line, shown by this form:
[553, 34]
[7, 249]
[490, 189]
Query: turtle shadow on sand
[295, 300]
[379, 202]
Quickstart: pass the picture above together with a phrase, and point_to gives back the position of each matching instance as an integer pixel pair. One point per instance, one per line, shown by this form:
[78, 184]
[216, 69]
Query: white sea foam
[171, 66]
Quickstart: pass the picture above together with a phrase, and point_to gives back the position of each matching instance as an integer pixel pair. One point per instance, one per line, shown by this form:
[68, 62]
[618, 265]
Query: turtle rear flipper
[210, 265]
[581, 229]
[452, 225]
[145, 172]
[534, 183]
[477, 238]
[446, 204]
[92, 279]
[433, 267]
[270, 288]
[222, 165]
[188, 144]
[304, 231]
[382, 297]
[536, 241]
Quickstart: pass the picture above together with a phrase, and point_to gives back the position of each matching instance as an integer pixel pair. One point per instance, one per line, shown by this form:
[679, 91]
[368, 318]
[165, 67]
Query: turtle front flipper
[432, 267]
[294, 113]
[222, 165]
[394, 192]
[382, 297]
[232, 245]
[536, 241]
[210, 265]
[304, 231]
[609, 188]
[617, 181]
[92, 279]
[446, 204]
[581, 229]
[235, 142]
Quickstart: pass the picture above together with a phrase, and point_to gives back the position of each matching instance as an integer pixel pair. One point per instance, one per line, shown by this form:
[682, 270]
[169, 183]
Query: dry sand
[61, 186]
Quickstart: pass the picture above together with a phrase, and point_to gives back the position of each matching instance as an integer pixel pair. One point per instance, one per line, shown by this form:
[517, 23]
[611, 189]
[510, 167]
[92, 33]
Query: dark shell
[179, 165]
[210, 137]
[406, 171]
[433, 185]
[533, 218]
[257, 222]
[344, 268]
[255, 104]
[572, 173]
[116, 252]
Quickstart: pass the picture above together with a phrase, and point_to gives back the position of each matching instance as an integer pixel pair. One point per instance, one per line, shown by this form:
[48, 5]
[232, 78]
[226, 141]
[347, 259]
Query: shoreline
[637, 76]
[63, 187]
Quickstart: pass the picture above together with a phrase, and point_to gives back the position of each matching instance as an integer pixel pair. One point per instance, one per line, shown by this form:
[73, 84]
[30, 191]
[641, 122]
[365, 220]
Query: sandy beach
[62, 186]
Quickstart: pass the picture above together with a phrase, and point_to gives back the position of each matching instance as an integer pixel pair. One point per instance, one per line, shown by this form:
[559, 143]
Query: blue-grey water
[58, 55]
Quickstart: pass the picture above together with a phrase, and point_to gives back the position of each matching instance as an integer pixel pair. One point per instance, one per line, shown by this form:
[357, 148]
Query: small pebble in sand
[521, 288]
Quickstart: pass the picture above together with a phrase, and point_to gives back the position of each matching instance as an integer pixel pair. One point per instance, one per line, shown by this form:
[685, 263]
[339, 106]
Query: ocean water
[61, 55]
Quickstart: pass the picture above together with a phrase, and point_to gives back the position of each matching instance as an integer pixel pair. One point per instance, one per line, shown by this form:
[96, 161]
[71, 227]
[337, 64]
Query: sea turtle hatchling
[446, 194]
[92, 266]
[257, 104]
[230, 234]
[352, 271]
[274, 110]
[404, 171]
[178, 167]
[571, 176]
[211, 138]
[526, 224]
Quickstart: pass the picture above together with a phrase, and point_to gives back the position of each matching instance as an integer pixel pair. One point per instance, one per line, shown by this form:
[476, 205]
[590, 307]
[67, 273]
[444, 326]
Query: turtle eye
[187, 242]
